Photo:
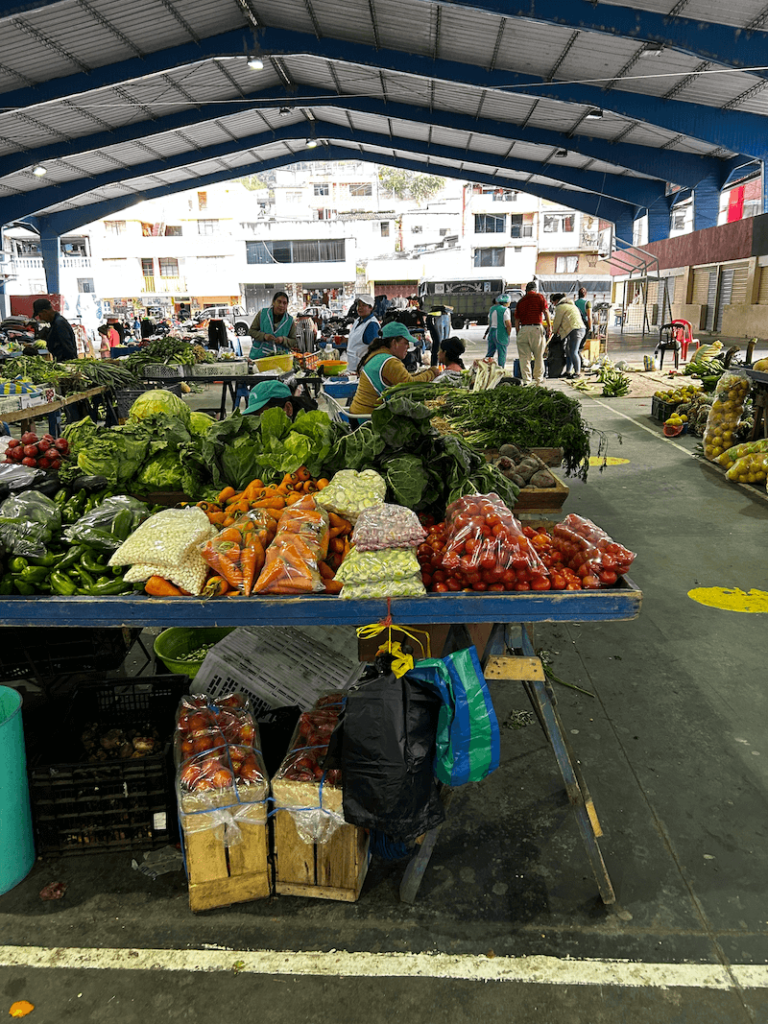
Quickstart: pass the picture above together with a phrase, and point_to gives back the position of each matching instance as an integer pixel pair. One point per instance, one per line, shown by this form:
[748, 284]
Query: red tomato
[573, 585]
[494, 575]
[540, 583]
[470, 544]
[509, 577]
[607, 577]
[467, 564]
[203, 743]
[557, 582]
[439, 588]
[453, 584]
[492, 520]
[439, 576]
[480, 586]
[426, 579]
[496, 587]
[222, 778]
[590, 582]
[472, 578]
[529, 531]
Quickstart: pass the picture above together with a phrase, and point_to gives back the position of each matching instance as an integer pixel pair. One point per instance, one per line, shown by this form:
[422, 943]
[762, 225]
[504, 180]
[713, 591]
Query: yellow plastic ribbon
[403, 662]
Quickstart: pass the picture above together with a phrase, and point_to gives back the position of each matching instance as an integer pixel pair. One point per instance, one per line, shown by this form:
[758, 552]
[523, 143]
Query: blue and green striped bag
[467, 729]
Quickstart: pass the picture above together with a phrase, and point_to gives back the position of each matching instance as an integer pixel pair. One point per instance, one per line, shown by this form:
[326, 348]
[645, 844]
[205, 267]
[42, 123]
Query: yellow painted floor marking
[596, 460]
[731, 599]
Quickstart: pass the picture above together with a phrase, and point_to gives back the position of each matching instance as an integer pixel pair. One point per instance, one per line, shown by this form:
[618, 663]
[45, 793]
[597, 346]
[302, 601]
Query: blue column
[658, 221]
[50, 246]
[623, 227]
[706, 203]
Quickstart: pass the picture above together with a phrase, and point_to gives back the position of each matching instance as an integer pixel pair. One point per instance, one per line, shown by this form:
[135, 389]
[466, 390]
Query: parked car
[318, 313]
[236, 316]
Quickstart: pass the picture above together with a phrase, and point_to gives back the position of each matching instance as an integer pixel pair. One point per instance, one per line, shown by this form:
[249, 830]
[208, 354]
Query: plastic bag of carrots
[293, 558]
[237, 554]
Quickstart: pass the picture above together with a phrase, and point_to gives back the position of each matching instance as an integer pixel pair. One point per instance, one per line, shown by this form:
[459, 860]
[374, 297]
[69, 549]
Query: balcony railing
[522, 231]
[74, 262]
[164, 285]
[29, 262]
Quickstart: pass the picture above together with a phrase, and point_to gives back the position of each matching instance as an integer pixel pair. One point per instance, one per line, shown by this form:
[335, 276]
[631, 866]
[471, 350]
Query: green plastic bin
[17, 847]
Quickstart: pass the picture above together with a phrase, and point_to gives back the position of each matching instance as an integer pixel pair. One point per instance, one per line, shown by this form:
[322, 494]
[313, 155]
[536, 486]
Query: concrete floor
[672, 745]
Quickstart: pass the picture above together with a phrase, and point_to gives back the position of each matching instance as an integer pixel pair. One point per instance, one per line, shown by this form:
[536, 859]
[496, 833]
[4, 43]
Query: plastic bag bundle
[301, 786]
[732, 455]
[168, 545]
[349, 492]
[749, 469]
[411, 587]
[293, 557]
[394, 572]
[484, 539]
[387, 526]
[220, 773]
[588, 550]
[723, 419]
[27, 524]
[237, 554]
[109, 524]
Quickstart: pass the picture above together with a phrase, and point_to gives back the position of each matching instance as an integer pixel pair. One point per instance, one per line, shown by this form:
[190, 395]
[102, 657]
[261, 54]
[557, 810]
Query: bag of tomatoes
[485, 548]
[220, 775]
[301, 786]
[590, 552]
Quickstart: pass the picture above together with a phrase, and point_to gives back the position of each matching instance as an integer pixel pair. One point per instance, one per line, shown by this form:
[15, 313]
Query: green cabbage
[199, 422]
[161, 472]
[160, 403]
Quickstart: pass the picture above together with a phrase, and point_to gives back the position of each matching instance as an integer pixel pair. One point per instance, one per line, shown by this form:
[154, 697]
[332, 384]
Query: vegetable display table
[36, 412]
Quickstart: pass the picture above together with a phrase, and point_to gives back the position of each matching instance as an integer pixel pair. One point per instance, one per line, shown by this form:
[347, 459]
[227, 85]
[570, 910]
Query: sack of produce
[109, 524]
[371, 566]
[723, 420]
[387, 526]
[484, 540]
[413, 586]
[27, 524]
[220, 773]
[293, 557]
[165, 538]
[732, 455]
[238, 553]
[301, 785]
[749, 469]
[590, 552]
[349, 492]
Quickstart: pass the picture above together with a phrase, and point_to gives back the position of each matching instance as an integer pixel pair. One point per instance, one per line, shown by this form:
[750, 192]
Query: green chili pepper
[26, 589]
[61, 584]
[92, 564]
[74, 555]
[6, 585]
[122, 524]
[109, 588]
[34, 574]
[48, 559]
[17, 565]
[86, 579]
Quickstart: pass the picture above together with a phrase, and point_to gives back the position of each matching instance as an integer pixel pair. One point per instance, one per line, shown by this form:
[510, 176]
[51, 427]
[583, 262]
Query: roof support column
[5, 308]
[658, 222]
[623, 229]
[50, 247]
[706, 203]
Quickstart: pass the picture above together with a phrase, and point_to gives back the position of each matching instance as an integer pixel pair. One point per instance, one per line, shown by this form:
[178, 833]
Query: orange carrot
[226, 493]
[333, 586]
[159, 587]
[216, 586]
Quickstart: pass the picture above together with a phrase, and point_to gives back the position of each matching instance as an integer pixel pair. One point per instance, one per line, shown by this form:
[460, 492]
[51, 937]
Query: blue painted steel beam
[735, 130]
[666, 165]
[50, 247]
[658, 223]
[637, 191]
[706, 204]
[69, 220]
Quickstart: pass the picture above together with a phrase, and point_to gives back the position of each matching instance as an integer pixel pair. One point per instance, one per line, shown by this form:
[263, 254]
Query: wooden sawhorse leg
[417, 865]
[530, 672]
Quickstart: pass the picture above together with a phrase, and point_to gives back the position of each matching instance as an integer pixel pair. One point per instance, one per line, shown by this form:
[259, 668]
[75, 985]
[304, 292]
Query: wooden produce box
[539, 499]
[334, 870]
[219, 875]
[549, 456]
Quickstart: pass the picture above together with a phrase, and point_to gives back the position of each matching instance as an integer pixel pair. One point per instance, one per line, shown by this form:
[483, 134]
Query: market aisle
[667, 747]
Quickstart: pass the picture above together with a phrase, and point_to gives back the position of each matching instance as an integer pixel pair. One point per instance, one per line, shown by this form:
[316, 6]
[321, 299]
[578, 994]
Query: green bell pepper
[16, 565]
[6, 585]
[25, 589]
[35, 575]
[62, 585]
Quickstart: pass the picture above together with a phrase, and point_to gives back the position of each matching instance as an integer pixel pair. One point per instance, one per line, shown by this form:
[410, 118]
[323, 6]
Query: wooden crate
[542, 499]
[218, 875]
[549, 456]
[334, 870]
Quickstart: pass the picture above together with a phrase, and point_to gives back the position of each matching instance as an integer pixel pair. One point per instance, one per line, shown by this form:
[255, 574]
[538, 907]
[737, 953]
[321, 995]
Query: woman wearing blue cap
[272, 329]
[383, 367]
[499, 329]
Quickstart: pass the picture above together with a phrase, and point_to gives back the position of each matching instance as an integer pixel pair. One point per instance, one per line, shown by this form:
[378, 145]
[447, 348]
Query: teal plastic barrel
[17, 847]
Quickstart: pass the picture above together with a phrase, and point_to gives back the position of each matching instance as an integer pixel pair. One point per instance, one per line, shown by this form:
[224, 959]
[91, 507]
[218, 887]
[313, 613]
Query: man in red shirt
[531, 339]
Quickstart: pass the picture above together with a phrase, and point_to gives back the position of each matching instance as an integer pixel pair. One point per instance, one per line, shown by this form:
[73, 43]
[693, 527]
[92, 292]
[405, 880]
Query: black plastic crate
[127, 397]
[44, 655]
[82, 806]
[661, 410]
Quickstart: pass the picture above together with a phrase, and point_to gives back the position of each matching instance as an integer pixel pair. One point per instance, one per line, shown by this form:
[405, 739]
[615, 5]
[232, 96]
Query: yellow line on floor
[534, 970]
[649, 430]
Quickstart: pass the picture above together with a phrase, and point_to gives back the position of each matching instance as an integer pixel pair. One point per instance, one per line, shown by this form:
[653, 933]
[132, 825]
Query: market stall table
[35, 412]
[503, 610]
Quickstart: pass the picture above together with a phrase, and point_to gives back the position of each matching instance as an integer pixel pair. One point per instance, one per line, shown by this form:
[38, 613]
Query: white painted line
[654, 433]
[535, 970]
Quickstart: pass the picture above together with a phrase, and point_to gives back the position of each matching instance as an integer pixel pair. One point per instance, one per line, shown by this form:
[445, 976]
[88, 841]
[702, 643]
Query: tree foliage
[409, 184]
[252, 182]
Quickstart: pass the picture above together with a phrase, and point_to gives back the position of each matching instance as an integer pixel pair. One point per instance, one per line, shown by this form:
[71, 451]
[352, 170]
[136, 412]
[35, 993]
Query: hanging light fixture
[39, 171]
[311, 143]
[594, 115]
[255, 63]
[652, 50]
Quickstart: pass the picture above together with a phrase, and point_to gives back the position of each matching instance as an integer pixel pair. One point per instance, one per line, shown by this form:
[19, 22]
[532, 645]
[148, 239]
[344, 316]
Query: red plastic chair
[682, 332]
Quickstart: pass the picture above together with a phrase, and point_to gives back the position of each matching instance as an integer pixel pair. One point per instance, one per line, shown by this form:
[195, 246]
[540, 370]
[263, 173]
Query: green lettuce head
[159, 404]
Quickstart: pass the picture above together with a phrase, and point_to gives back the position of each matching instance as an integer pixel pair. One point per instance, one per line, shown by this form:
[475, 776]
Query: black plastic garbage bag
[384, 744]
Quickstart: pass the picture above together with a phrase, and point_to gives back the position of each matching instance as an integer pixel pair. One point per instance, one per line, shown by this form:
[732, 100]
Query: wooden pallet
[218, 875]
[334, 870]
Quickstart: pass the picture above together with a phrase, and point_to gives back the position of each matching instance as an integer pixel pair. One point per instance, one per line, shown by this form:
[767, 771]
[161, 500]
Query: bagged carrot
[237, 553]
[293, 557]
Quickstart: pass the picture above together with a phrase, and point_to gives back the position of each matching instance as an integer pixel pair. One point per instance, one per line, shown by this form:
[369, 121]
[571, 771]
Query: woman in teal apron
[273, 329]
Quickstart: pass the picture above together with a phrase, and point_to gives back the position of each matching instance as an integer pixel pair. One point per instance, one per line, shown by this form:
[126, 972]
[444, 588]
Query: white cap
[367, 299]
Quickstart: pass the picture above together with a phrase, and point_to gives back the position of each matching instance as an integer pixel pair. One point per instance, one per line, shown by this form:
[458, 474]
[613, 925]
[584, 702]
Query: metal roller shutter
[739, 287]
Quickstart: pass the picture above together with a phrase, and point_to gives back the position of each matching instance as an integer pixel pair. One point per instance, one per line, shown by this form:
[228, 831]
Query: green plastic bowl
[180, 640]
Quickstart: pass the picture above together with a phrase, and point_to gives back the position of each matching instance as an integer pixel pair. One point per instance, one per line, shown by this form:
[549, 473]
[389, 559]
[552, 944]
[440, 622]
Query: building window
[26, 247]
[147, 268]
[517, 248]
[322, 190]
[293, 197]
[566, 264]
[85, 285]
[559, 222]
[331, 250]
[443, 232]
[202, 200]
[678, 220]
[207, 227]
[489, 258]
[361, 189]
[519, 229]
[173, 231]
[416, 229]
[486, 224]
[115, 227]
[384, 229]
[168, 267]
[504, 195]
[75, 247]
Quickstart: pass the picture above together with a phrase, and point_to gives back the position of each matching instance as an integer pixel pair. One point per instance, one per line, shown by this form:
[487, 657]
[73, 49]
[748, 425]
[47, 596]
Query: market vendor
[274, 394]
[384, 367]
[273, 329]
[363, 332]
[60, 340]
